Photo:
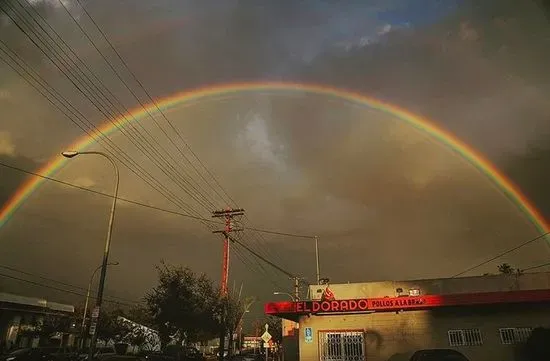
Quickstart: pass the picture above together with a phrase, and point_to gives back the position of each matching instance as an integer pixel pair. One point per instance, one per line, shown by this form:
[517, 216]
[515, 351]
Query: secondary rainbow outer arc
[418, 122]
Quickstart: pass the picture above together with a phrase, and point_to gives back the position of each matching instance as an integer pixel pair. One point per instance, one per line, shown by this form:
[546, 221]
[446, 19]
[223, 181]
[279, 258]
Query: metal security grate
[341, 346]
[465, 337]
[514, 335]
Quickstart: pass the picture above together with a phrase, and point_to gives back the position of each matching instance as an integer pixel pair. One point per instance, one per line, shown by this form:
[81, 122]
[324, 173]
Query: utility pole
[296, 297]
[228, 215]
[297, 288]
[318, 271]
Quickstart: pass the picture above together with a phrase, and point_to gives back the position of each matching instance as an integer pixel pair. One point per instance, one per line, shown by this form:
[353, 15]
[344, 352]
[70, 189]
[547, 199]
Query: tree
[139, 335]
[110, 328]
[183, 305]
[235, 310]
[206, 303]
[275, 329]
[506, 269]
[140, 314]
[46, 326]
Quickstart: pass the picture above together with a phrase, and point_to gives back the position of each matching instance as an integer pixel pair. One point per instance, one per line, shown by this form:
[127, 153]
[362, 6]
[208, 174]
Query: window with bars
[471, 337]
[514, 335]
[342, 346]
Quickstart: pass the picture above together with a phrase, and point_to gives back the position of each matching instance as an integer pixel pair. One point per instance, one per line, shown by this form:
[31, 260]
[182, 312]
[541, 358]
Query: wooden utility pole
[228, 215]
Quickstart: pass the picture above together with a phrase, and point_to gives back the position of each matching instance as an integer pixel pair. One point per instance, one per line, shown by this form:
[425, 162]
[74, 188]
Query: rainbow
[424, 125]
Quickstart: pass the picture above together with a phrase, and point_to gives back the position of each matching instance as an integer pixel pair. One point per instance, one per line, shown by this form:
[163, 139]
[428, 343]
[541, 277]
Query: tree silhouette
[110, 328]
[183, 305]
[505, 268]
[46, 326]
[236, 308]
[275, 329]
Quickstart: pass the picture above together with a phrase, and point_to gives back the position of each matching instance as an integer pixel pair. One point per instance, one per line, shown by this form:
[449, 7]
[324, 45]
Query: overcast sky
[387, 201]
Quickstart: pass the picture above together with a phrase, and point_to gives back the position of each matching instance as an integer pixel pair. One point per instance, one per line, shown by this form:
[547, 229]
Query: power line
[258, 240]
[109, 111]
[194, 191]
[255, 262]
[153, 102]
[277, 267]
[93, 90]
[140, 172]
[295, 235]
[57, 288]
[80, 86]
[145, 205]
[204, 220]
[254, 266]
[536, 267]
[108, 195]
[502, 254]
[56, 281]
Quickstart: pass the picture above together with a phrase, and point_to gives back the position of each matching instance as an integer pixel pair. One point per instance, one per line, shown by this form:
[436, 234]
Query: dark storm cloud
[531, 173]
[466, 73]
[459, 71]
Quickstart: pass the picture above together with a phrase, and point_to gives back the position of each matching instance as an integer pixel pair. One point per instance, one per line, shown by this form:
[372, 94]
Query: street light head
[114, 263]
[285, 294]
[70, 154]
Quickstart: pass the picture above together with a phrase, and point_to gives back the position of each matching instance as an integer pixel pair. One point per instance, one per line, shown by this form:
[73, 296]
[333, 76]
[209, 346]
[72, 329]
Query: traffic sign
[92, 328]
[95, 312]
[266, 337]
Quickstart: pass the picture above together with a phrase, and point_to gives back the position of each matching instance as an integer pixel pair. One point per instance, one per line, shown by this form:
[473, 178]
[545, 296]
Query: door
[341, 346]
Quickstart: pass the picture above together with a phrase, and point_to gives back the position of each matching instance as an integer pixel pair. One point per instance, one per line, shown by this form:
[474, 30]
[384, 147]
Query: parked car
[249, 355]
[158, 356]
[438, 355]
[40, 354]
[182, 353]
[225, 353]
[122, 358]
[99, 353]
[192, 354]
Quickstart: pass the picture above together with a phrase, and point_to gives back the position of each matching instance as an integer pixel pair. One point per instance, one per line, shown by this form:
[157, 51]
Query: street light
[241, 330]
[99, 298]
[286, 294]
[88, 297]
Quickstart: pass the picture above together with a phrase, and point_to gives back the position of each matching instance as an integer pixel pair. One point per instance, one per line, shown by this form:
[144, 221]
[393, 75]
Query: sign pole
[266, 337]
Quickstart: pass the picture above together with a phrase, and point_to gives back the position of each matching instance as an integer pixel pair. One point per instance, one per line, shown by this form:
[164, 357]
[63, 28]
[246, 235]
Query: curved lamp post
[99, 298]
[88, 298]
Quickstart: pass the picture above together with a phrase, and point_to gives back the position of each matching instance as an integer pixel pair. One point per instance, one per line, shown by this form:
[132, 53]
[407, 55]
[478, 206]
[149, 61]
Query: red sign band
[390, 304]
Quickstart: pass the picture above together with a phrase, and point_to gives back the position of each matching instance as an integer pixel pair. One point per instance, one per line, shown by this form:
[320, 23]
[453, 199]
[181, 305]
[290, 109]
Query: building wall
[388, 334]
